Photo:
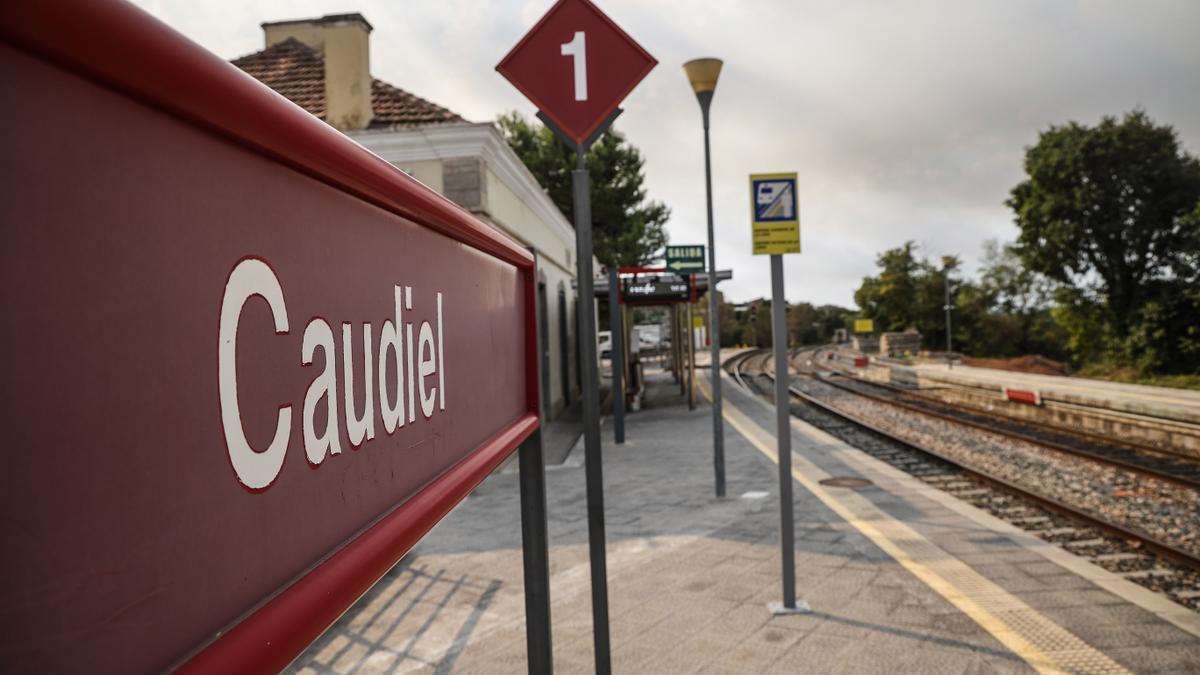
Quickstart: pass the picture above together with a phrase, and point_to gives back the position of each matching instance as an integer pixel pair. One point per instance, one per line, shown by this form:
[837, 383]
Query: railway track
[1143, 459]
[1150, 561]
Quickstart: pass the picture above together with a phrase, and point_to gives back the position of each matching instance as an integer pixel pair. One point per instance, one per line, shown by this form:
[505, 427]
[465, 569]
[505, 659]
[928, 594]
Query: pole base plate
[777, 608]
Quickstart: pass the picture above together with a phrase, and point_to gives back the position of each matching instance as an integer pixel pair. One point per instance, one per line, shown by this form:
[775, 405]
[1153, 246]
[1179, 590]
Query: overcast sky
[905, 120]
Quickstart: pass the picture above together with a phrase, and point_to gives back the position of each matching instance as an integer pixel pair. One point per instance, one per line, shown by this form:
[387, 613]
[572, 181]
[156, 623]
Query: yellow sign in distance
[864, 326]
[697, 322]
[774, 214]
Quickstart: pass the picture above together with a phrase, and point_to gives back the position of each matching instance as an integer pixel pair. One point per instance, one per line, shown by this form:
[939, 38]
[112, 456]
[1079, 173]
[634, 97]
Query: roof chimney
[344, 41]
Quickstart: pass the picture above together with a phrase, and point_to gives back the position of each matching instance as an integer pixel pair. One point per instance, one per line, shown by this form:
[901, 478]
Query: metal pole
[677, 312]
[783, 431]
[783, 439]
[663, 356]
[535, 546]
[591, 413]
[949, 348]
[691, 362]
[534, 539]
[616, 355]
[676, 341]
[677, 345]
[628, 371]
[714, 333]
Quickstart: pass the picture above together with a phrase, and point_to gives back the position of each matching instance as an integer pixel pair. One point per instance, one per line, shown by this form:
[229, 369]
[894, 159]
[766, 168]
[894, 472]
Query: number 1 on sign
[577, 49]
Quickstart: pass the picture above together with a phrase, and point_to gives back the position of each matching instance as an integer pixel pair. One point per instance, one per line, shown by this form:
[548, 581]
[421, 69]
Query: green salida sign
[685, 259]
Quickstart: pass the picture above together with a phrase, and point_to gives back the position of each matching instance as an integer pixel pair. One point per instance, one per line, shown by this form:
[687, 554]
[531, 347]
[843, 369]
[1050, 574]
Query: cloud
[904, 120]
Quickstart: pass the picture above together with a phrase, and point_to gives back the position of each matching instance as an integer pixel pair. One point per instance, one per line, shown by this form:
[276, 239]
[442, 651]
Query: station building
[323, 65]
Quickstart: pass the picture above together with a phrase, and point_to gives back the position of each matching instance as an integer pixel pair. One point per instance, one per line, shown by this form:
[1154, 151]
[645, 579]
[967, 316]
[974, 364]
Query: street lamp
[948, 263]
[703, 74]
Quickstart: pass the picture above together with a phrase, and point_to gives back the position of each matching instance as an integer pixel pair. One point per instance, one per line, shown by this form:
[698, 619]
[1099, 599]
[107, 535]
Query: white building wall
[429, 172]
[472, 164]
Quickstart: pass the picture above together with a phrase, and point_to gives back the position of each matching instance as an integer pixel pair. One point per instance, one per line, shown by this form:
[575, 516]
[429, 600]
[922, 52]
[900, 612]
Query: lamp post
[703, 74]
[948, 264]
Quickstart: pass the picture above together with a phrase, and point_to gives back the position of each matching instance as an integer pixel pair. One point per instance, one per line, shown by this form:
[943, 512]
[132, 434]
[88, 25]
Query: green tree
[1105, 212]
[800, 318]
[730, 323]
[929, 308]
[752, 326]
[889, 298]
[627, 229]
[1167, 337]
[909, 293]
[809, 325]
[1012, 287]
[1016, 308]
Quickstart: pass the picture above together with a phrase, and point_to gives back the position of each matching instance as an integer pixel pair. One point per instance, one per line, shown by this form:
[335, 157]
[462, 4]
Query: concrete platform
[1179, 405]
[901, 578]
[1162, 417]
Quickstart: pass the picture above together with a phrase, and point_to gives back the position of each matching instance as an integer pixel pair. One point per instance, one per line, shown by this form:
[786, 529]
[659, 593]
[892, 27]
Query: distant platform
[1182, 405]
[1161, 417]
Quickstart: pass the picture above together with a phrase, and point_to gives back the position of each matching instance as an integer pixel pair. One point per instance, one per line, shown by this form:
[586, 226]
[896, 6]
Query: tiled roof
[395, 107]
[293, 69]
[297, 71]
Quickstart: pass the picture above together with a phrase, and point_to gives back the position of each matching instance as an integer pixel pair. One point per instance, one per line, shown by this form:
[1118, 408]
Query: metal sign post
[776, 221]
[590, 381]
[535, 546]
[616, 354]
[579, 102]
[535, 541]
[783, 435]
[680, 348]
[691, 360]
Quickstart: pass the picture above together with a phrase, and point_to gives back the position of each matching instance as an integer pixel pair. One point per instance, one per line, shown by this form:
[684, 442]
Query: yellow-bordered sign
[774, 213]
[864, 326]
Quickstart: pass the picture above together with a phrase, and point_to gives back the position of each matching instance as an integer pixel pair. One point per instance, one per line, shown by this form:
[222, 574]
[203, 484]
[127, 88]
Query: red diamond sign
[576, 66]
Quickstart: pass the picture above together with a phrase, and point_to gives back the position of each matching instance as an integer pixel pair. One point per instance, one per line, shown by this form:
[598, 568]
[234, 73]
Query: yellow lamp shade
[703, 74]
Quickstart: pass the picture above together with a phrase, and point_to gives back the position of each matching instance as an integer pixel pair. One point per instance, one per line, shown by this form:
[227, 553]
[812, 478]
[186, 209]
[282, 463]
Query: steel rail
[1132, 446]
[1186, 481]
[1164, 549]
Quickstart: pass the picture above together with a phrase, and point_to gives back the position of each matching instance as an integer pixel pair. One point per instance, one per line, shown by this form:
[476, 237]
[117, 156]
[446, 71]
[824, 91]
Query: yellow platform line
[1045, 645]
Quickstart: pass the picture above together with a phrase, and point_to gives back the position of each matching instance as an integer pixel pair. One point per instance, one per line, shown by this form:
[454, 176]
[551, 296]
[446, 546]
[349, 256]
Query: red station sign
[576, 66]
[248, 364]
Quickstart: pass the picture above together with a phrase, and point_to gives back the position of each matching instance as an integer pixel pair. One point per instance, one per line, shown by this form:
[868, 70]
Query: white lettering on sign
[255, 469]
[393, 361]
[577, 50]
[389, 340]
[324, 386]
[358, 427]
